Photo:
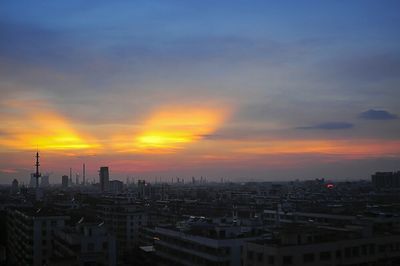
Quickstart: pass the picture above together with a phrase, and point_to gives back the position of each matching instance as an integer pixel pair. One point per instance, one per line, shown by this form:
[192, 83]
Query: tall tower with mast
[37, 174]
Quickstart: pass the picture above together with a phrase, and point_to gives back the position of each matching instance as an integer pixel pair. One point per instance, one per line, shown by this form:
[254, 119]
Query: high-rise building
[104, 178]
[64, 181]
[14, 187]
[30, 235]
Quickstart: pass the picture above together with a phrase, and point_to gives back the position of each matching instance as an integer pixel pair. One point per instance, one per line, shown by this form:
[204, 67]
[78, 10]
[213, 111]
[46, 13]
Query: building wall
[373, 251]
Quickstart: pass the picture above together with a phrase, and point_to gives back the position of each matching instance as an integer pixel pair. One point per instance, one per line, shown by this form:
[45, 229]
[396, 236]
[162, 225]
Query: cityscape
[199, 133]
[200, 222]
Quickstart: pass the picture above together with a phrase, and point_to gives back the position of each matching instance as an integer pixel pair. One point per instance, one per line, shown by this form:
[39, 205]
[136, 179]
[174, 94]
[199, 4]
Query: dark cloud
[329, 126]
[372, 114]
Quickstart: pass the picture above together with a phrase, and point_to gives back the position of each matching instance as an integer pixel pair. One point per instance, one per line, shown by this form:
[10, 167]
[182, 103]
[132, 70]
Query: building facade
[30, 235]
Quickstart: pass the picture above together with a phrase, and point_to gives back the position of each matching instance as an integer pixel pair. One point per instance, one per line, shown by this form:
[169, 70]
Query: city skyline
[245, 90]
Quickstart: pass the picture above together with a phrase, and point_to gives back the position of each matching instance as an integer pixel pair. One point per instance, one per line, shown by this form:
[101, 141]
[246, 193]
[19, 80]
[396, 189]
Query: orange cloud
[169, 129]
[34, 126]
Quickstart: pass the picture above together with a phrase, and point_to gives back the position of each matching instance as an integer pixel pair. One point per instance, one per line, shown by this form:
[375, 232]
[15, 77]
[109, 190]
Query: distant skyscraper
[64, 181]
[14, 187]
[104, 178]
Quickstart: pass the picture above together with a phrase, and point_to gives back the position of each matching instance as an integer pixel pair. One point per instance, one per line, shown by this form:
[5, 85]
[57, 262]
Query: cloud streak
[329, 126]
[373, 114]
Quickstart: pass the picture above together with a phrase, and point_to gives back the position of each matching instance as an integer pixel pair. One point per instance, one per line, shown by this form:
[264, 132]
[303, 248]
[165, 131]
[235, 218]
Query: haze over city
[244, 90]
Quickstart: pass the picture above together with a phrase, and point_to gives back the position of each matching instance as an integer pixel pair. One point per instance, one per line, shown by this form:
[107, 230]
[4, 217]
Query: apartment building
[30, 235]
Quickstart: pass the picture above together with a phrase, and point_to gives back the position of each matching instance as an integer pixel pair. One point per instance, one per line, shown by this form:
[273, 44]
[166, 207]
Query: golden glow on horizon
[43, 129]
[166, 131]
[169, 129]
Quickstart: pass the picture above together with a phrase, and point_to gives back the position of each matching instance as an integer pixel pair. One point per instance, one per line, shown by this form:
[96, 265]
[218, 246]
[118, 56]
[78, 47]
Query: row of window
[349, 252]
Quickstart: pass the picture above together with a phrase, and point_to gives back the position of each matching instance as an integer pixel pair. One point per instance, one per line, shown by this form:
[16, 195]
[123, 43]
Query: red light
[330, 186]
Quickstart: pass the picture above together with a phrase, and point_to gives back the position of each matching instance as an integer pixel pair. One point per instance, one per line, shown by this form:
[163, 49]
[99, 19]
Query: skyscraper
[104, 178]
[14, 187]
[64, 181]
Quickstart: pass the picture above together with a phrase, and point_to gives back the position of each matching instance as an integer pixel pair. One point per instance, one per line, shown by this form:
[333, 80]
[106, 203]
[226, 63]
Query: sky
[240, 90]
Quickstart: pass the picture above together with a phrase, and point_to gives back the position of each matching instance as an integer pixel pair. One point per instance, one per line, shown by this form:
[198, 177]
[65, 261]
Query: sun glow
[170, 129]
[43, 129]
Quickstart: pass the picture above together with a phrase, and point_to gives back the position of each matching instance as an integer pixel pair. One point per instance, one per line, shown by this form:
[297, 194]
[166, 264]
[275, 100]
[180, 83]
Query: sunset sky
[245, 90]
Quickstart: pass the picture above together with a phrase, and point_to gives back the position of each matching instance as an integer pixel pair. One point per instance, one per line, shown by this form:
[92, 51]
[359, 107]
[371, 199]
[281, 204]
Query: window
[326, 255]
[308, 257]
[287, 260]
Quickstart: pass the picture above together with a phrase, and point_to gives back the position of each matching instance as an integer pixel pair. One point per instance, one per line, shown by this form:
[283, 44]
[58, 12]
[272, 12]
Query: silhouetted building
[104, 178]
[87, 243]
[116, 186]
[30, 235]
[199, 241]
[64, 181]
[14, 187]
[386, 179]
[124, 220]
[318, 245]
[143, 189]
